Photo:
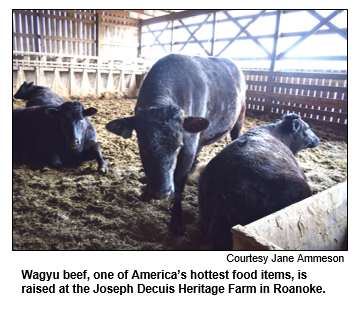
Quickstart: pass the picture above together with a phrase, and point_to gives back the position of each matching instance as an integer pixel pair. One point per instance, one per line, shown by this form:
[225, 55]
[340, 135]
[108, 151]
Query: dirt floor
[81, 208]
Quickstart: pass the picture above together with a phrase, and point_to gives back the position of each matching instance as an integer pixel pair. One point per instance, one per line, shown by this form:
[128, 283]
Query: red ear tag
[195, 124]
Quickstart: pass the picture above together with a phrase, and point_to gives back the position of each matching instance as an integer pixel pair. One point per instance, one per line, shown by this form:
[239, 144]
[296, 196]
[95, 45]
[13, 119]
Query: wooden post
[172, 26]
[276, 37]
[118, 87]
[37, 75]
[42, 47]
[110, 82]
[213, 35]
[40, 77]
[85, 83]
[132, 86]
[20, 79]
[140, 42]
[72, 82]
[55, 84]
[122, 81]
[98, 82]
[98, 32]
[272, 78]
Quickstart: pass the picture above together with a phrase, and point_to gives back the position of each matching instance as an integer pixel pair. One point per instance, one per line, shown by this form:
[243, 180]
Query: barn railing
[313, 95]
[78, 75]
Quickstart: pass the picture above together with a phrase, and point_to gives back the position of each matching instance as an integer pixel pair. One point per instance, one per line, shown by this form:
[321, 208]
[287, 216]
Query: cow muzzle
[74, 144]
[315, 142]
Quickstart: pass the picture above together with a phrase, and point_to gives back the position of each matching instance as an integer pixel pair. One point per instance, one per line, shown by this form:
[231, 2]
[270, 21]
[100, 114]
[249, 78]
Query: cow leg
[196, 160]
[52, 159]
[176, 225]
[236, 131]
[185, 161]
[93, 151]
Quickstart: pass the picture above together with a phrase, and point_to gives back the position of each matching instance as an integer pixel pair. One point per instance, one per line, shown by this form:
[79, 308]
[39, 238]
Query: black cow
[56, 134]
[211, 91]
[38, 95]
[254, 176]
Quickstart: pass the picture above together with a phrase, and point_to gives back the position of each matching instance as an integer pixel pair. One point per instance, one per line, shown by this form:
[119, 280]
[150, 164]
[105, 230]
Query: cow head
[160, 133]
[24, 91]
[296, 133]
[72, 117]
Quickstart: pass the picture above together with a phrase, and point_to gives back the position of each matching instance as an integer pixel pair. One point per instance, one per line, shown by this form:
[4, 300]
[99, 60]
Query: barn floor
[81, 208]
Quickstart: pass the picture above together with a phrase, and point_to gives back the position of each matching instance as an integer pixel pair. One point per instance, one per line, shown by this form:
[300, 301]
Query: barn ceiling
[147, 14]
[148, 17]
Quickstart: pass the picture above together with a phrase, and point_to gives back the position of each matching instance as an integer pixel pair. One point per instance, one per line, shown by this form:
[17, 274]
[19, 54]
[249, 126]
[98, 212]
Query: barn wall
[55, 31]
[82, 52]
[77, 52]
[313, 95]
[117, 40]
[107, 33]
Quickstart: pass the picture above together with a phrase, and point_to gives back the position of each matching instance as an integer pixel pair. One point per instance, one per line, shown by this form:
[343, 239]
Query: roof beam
[340, 32]
[244, 30]
[141, 12]
[116, 12]
[176, 16]
[192, 35]
[322, 23]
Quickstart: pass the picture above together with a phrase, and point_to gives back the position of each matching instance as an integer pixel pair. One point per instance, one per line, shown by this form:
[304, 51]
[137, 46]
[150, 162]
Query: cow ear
[31, 83]
[122, 127]
[195, 124]
[52, 112]
[296, 125]
[291, 122]
[89, 112]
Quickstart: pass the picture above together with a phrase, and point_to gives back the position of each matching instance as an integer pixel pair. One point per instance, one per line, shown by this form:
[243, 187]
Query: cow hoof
[103, 170]
[177, 230]
[56, 165]
[195, 162]
[145, 197]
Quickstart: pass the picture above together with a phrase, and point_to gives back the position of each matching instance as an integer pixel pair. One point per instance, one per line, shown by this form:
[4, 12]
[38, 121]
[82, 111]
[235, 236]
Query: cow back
[204, 87]
[44, 96]
[252, 177]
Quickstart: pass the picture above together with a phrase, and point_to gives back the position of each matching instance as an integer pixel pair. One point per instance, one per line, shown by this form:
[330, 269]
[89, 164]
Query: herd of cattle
[184, 103]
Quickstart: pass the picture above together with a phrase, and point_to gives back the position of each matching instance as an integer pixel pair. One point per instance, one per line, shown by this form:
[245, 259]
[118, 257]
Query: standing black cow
[254, 176]
[38, 95]
[56, 134]
[210, 90]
